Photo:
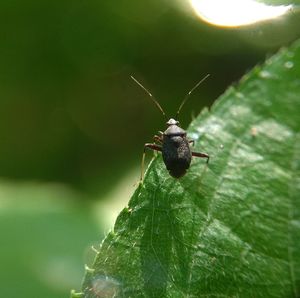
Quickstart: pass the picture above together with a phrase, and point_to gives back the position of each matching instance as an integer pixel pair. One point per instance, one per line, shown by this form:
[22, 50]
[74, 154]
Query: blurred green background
[73, 123]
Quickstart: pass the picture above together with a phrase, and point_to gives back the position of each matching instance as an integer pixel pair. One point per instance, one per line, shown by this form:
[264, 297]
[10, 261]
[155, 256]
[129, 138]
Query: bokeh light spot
[235, 13]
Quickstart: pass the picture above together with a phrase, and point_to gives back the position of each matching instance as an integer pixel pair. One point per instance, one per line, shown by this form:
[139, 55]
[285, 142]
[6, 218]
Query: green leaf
[227, 229]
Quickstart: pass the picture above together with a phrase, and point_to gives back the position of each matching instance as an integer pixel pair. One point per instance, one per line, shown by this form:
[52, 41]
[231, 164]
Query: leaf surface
[227, 229]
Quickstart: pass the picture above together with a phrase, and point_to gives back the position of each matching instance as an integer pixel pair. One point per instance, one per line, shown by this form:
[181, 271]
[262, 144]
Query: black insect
[173, 142]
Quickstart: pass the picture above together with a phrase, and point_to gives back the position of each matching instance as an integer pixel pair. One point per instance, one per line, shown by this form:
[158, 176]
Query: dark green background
[71, 116]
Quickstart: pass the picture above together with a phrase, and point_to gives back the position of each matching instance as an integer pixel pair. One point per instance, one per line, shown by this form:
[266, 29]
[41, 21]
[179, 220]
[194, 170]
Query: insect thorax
[175, 130]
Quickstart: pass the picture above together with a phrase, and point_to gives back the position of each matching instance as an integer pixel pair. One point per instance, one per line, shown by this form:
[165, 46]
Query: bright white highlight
[234, 13]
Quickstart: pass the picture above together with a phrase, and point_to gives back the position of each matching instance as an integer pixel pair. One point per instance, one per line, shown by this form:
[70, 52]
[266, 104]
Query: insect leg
[192, 142]
[202, 155]
[152, 147]
[157, 139]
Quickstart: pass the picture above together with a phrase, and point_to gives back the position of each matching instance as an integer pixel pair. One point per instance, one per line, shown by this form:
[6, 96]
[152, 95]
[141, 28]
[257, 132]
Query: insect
[173, 142]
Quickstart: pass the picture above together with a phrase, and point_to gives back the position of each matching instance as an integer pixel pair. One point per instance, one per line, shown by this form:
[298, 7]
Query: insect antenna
[151, 96]
[188, 95]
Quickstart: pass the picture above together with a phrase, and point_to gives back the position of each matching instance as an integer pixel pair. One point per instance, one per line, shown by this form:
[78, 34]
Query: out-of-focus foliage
[280, 2]
[68, 109]
[46, 235]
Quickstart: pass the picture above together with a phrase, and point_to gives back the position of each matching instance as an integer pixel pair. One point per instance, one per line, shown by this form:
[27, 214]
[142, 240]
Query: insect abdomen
[176, 155]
